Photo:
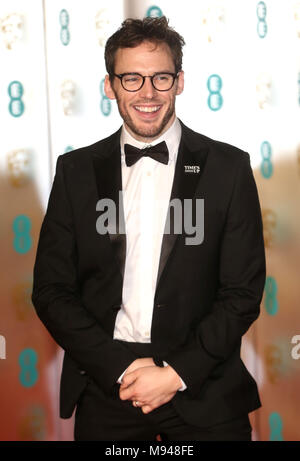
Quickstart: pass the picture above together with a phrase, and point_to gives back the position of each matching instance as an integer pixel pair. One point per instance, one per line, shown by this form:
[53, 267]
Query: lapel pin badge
[191, 169]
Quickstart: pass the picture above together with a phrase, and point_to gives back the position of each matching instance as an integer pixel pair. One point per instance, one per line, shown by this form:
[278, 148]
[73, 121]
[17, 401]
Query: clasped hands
[149, 385]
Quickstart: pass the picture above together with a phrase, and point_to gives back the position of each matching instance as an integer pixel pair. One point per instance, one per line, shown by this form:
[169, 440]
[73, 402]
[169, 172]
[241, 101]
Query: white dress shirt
[146, 193]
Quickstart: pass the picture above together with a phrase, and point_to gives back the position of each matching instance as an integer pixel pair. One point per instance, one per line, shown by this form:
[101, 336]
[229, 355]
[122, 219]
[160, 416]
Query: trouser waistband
[140, 349]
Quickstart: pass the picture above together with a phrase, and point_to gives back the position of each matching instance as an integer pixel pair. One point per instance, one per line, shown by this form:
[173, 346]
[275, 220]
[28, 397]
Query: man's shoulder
[100, 148]
[220, 149]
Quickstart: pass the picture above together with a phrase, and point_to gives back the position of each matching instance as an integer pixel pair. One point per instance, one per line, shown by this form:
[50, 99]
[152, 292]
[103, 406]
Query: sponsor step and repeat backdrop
[242, 86]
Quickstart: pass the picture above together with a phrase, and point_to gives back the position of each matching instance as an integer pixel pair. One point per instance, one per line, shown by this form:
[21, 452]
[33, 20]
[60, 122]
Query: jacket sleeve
[56, 295]
[242, 275]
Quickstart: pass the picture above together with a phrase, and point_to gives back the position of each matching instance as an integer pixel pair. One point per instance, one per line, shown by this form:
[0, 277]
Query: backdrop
[242, 86]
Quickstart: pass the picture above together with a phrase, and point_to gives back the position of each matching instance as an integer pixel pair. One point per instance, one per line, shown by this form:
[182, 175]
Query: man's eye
[162, 77]
[131, 79]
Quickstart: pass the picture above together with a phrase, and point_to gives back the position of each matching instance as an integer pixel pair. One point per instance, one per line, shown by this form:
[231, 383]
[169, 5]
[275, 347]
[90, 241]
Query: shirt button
[148, 173]
[147, 334]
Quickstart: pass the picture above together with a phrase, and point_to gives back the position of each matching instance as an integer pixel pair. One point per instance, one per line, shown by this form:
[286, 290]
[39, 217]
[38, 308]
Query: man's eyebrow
[156, 72]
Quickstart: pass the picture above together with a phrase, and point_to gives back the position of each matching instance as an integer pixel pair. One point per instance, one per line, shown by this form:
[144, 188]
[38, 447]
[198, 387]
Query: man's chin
[147, 133]
[148, 130]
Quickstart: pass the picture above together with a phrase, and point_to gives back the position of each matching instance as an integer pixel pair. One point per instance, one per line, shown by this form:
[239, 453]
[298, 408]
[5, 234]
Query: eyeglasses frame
[173, 74]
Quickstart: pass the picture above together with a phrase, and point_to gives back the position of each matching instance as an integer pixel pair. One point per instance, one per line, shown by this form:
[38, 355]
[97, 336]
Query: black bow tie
[159, 152]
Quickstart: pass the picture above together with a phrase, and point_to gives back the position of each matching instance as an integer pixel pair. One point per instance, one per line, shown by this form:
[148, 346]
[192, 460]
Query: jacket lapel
[188, 174]
[107, 164]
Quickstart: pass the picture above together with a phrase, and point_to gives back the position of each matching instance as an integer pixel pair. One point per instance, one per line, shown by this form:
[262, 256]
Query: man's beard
[152, 131]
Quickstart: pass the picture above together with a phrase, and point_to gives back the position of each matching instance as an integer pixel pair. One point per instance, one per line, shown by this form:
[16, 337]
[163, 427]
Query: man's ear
[180, 83]
[108, 88]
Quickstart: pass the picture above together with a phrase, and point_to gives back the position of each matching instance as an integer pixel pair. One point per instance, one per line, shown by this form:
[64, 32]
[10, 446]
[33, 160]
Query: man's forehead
[143, 54]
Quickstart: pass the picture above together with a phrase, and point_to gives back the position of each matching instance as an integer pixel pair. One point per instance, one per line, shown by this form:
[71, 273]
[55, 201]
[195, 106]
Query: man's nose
[147, 90]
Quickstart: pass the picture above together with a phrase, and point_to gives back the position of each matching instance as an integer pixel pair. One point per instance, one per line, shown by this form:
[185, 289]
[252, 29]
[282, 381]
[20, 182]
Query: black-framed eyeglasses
[161, 81]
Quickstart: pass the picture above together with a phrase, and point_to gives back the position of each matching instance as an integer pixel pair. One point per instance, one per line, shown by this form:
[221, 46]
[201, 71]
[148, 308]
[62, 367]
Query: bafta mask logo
[32, 425]
[263, 90]
[19, 167]
[102, 24]
[68, 95]
[21, 298]
[297, 17]
[273, 360]
[211, 22]
[11, 28]
[269, 225]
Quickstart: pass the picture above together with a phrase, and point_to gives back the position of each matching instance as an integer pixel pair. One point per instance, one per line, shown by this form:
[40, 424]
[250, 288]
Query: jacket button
[82, 372]
[160, 305]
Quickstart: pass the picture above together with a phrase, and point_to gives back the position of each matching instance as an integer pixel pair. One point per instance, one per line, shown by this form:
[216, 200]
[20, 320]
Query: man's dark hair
[133, 32]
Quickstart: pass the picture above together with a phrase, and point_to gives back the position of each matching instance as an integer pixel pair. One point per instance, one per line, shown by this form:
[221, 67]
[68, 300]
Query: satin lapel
[185, 183]
[109, 185]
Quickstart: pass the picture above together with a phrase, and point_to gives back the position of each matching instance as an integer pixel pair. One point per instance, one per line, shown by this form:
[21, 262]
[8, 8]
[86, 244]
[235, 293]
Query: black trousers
[101, 417]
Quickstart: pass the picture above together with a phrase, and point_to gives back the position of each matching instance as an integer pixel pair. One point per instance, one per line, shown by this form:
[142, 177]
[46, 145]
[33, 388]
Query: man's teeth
[147, 109]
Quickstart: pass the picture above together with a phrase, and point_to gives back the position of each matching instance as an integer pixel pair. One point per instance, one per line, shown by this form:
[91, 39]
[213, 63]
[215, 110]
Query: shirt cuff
[183, 385]
[121, 377]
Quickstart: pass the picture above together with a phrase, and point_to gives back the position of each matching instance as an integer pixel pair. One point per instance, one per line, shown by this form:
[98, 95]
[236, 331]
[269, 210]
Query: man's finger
[128, 379]
[146, 408]
[126, 394]
[126, 391]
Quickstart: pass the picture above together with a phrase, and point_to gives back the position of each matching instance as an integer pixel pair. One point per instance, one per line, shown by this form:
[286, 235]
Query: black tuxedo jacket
[207, 295]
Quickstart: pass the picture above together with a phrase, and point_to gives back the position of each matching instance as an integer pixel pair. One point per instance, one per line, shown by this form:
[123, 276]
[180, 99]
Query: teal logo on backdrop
[266, 167]
[27, 361]
[68, 149]
[154, 12]
[271, 302]
[276, 426]
[261, 12]
[215, 99]
[15, 92]
[105, 104]
[64, 20]
[22, 240]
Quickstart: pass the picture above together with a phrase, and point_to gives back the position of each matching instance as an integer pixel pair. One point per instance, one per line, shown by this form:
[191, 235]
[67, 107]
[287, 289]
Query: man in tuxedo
[150, 318]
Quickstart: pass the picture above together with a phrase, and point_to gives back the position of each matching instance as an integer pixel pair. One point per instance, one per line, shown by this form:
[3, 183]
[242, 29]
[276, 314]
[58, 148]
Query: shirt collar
[172, 138]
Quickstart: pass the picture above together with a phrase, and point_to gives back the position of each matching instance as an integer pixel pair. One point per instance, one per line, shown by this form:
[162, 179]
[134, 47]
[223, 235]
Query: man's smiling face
[147, 113]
